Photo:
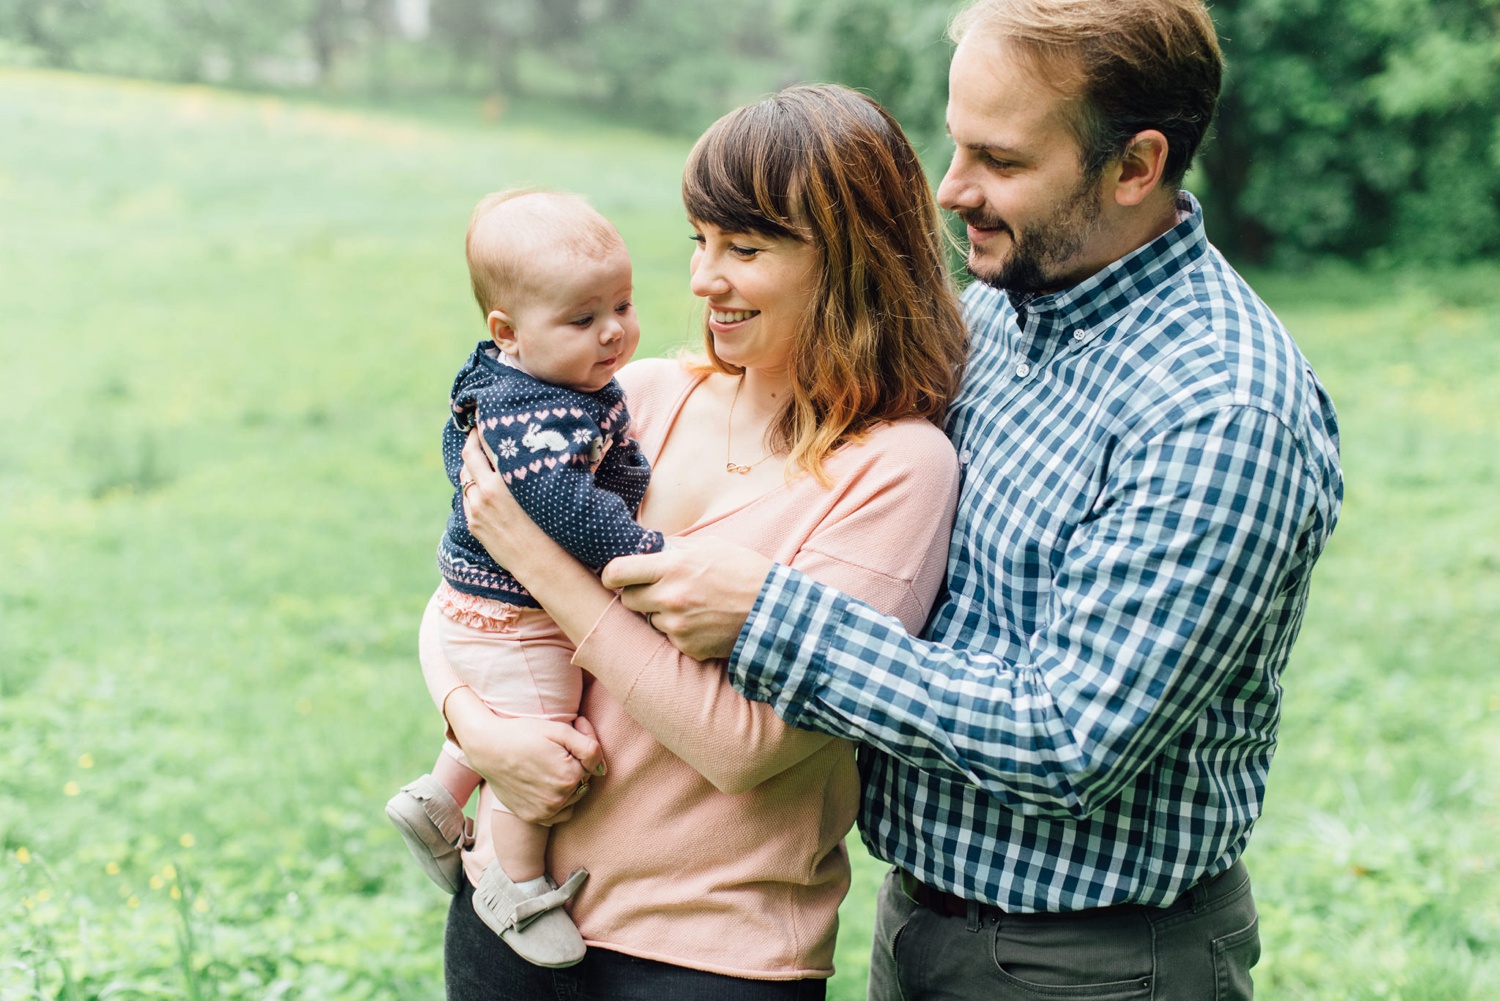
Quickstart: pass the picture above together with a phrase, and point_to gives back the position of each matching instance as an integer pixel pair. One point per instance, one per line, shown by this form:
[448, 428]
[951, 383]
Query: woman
[834, 345]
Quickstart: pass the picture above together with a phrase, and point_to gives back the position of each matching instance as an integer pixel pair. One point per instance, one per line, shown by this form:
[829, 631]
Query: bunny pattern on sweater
[567, 458]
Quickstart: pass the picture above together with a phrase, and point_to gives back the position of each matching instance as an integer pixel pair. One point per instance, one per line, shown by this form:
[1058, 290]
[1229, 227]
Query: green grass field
[228, 326]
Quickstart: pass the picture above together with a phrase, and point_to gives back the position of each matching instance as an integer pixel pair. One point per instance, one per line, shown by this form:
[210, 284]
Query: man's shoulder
[1205, 342]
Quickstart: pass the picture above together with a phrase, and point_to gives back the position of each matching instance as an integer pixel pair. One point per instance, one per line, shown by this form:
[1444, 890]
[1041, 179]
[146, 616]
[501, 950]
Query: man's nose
[957, 190]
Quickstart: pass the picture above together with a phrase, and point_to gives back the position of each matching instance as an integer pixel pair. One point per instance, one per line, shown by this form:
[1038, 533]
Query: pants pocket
[1105, 959]
[1234, 955]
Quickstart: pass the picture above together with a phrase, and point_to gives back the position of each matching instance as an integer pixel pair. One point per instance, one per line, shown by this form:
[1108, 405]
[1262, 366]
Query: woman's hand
[495, 519]
[538, 768]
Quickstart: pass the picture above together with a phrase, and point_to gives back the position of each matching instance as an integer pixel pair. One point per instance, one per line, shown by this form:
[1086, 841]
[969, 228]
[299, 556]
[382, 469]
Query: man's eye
[698, 239]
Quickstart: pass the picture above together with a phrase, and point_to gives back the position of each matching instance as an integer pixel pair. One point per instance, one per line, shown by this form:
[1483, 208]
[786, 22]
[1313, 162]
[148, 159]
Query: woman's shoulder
[911, 443]
[654, 386]
[646, 375]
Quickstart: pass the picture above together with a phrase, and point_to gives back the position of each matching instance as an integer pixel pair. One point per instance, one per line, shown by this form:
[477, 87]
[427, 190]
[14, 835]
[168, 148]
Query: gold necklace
[730, 466]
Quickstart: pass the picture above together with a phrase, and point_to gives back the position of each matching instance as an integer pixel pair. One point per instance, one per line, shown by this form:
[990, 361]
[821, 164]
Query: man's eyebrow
[981, 145]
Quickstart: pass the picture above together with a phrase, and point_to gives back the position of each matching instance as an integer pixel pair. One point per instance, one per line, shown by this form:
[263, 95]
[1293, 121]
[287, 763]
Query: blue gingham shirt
[1150, 471]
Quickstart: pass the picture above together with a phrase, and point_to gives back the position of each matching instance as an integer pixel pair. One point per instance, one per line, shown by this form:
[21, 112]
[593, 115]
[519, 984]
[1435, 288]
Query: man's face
[1033, 216]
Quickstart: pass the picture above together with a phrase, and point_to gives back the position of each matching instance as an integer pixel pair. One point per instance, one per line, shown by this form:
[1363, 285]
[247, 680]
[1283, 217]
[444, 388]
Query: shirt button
[1079, 335]
[1023, 370]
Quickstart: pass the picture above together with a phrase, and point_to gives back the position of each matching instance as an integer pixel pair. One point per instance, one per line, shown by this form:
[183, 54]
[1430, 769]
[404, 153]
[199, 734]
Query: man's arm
[1157, 596]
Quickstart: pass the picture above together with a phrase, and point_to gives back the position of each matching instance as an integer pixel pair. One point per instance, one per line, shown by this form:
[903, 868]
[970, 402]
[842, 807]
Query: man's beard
[1037, 258]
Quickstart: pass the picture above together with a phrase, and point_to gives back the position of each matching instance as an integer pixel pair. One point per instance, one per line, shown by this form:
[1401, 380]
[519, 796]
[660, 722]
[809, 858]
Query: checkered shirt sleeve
[1089, 717]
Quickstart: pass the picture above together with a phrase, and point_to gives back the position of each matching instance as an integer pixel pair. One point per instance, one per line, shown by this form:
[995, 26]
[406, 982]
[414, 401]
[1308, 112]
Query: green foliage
[1361, 128]
[894, 50]
[229, 322]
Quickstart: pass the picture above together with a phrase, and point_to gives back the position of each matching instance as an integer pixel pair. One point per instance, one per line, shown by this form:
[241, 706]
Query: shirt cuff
[778, 654]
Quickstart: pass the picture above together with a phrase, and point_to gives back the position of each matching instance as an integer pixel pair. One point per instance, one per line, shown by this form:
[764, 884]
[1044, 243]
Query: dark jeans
[1200, 948]
[478, 966]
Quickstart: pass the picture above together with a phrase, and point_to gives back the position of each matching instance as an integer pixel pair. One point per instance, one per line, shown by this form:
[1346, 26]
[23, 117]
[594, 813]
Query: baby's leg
[454, 775]
[520, 847]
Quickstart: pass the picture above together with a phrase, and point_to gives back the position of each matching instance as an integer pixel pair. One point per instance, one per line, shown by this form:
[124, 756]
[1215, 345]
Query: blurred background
[232, 300]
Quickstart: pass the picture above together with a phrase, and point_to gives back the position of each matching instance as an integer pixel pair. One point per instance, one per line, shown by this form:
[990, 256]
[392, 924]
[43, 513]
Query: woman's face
[758, 290]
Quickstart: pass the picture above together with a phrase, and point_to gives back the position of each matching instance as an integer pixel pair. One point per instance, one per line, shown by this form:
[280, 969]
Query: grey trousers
[1201, 948]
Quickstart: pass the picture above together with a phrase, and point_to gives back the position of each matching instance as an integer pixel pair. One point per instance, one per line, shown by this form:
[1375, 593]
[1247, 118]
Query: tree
[1358, 128]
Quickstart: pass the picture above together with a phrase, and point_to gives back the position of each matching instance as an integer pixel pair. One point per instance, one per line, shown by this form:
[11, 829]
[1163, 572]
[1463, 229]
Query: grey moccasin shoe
[533, 924]
[434, 828]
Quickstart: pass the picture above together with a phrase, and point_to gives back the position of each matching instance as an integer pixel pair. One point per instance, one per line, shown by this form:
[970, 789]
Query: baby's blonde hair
[509, 230]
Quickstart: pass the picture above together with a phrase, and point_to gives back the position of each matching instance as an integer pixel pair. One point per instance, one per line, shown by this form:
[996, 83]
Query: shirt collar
[1133, 277]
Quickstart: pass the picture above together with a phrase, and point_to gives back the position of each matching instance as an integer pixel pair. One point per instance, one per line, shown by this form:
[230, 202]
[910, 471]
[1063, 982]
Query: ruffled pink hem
[476, 612]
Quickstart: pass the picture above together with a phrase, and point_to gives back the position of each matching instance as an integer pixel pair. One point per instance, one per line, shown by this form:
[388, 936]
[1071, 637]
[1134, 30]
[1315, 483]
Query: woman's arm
[886, 541]
[734, 743]
[536, 767]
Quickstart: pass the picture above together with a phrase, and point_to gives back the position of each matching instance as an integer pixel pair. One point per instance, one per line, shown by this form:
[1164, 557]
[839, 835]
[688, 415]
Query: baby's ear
[502, 331]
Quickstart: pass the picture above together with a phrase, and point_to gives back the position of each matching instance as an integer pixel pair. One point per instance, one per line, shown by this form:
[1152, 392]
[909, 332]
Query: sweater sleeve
[885, 538]
[546, 456]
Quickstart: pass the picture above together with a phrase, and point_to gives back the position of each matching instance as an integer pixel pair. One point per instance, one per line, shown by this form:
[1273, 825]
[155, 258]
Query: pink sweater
[716, 840]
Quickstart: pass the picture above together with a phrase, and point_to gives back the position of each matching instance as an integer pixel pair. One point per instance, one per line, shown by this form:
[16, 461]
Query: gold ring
[463, 488]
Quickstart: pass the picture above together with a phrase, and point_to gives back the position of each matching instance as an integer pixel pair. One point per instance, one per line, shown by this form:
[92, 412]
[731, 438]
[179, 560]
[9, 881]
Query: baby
[553, 281]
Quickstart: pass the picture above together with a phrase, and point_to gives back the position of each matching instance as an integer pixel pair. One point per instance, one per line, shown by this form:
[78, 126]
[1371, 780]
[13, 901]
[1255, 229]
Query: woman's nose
[705, 280]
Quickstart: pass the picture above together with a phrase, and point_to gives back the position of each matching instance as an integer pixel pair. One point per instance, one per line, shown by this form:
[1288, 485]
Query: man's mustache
[979, 220]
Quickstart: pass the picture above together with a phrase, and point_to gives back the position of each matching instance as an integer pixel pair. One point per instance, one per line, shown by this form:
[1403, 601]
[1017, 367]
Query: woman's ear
[503, 331]
[1139, 171]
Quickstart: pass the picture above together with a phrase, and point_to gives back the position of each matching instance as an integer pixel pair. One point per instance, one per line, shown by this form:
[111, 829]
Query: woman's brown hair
[884, 338]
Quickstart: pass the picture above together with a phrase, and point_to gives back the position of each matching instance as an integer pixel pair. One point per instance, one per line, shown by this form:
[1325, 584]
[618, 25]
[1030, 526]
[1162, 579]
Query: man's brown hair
[1130, 65]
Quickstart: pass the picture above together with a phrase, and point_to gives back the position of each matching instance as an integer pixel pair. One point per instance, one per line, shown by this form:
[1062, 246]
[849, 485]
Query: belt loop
[975, 921]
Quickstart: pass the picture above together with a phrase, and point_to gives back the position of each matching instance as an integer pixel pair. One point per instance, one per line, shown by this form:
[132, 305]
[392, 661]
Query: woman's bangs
[732, 181]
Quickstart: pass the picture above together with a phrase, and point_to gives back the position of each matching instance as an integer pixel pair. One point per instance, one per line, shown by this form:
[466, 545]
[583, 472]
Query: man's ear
[1138, 172]
[502, 331]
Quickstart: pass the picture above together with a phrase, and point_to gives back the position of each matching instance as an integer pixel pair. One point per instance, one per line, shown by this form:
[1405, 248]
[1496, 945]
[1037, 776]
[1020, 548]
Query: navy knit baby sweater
[569, 461]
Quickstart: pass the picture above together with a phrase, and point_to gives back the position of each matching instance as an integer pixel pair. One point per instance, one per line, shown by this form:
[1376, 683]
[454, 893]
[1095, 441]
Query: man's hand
[698, 593]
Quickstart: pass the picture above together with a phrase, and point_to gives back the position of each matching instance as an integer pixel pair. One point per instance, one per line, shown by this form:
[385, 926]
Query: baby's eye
[624, 307]
[582, 321]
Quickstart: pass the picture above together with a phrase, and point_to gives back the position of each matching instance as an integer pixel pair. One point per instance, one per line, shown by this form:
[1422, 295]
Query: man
[1065, 769]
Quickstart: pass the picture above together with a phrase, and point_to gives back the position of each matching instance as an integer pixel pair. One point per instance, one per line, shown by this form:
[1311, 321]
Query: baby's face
[583, 328]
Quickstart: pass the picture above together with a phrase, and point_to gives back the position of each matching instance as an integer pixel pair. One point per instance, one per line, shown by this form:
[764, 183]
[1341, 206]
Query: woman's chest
[691, 482]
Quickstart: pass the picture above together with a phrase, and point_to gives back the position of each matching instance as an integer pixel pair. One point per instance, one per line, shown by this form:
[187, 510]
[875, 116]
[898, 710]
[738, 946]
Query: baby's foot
[434, 828]
[529, 916]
